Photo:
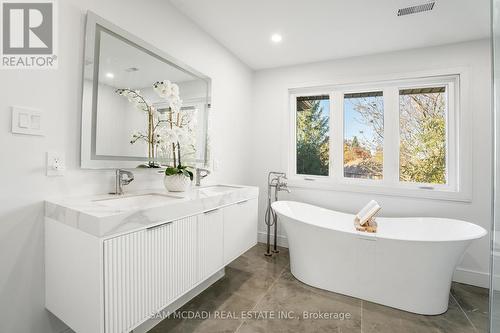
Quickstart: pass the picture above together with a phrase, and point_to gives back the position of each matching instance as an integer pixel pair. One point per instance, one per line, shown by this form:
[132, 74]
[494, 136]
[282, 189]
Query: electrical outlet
[56, 164]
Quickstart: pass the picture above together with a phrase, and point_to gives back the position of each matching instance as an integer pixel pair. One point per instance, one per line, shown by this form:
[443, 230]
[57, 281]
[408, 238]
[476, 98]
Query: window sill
[329, 185]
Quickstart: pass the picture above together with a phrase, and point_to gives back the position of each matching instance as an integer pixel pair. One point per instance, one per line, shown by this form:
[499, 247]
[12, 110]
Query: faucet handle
[129, 174]
[127, 180]
[283, 187]
[200, 170]
[120, 181]
[200, 174]
[124, 181]
[282, 179]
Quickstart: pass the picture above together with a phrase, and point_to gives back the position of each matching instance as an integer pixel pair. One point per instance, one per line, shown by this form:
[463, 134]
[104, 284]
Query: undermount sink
[217, 189]
[137, 201]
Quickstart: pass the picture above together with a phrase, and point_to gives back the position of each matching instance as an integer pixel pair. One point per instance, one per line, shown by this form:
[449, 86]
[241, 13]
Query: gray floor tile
[474, 301]
[197, 326]
[378, 318]
[319, 310]
[258, 284]
[278, 326]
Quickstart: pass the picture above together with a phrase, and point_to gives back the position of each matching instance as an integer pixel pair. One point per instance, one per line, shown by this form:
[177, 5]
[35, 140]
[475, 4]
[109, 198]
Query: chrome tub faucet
[278, 181]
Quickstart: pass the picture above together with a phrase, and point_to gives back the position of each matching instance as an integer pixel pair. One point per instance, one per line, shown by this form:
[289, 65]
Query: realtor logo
[28, 34]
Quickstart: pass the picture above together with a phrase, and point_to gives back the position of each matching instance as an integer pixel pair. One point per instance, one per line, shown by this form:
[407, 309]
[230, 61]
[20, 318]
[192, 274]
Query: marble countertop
[104, 216]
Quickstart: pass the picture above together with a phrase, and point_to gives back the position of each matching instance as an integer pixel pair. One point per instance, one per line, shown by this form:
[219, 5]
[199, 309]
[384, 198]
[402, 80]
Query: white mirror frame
[89, 158]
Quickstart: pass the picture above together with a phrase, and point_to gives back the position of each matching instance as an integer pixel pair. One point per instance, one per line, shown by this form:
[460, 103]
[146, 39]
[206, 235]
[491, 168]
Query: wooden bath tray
[370, 226]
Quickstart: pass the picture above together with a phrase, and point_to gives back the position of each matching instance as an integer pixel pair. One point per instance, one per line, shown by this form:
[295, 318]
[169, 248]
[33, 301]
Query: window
[396, 136]
[364, 135]
[422, 142]
[312, 135]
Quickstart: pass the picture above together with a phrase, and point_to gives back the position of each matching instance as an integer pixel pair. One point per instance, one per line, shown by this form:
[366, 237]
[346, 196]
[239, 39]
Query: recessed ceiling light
[276, 38]
[110, 75]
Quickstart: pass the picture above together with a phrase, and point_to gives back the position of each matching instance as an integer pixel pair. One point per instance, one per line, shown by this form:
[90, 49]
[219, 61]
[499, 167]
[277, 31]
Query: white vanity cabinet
[113, 284]
[146, 270]
[240, 229]
[210, 242]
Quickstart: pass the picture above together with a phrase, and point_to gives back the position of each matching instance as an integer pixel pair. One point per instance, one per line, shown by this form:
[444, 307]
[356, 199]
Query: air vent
[416, 9]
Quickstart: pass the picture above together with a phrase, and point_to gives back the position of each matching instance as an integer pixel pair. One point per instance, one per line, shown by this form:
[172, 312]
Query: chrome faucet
[278, 181]
[200, 174]
[281, 185]
[120, 181]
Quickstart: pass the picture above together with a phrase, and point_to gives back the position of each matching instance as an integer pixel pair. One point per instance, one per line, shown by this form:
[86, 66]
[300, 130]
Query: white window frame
[458, 136]
[293, 166]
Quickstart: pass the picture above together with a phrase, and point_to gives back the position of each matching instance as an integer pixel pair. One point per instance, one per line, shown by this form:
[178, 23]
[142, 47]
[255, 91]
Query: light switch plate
[27, 121]
[56, 164]
[23, 120]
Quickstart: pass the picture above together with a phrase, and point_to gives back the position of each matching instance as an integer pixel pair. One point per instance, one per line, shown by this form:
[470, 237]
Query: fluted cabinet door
[210, 243]
[146, 270]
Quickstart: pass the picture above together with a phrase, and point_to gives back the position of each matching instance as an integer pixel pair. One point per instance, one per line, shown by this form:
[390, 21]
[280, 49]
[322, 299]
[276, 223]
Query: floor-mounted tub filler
[408, 264]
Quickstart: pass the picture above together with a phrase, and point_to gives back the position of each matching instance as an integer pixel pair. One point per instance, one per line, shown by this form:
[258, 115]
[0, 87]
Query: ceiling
[316, 30]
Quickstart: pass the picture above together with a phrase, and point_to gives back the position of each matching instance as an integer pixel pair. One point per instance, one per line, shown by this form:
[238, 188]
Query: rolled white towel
[367, 212]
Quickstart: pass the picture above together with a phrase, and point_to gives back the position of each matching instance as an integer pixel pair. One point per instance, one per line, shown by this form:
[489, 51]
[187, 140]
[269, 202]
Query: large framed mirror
[140, 107]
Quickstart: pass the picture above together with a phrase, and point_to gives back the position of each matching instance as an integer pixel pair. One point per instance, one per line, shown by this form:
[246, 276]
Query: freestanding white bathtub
[408, 264]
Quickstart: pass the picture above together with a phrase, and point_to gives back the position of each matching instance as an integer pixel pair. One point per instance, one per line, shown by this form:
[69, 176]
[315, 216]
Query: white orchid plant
[164, 134]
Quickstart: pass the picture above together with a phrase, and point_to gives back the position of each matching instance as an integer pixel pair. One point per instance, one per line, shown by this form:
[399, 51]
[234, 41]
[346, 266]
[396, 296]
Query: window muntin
[313, 135]
[363, 135]
[422, 135]
[457, 148]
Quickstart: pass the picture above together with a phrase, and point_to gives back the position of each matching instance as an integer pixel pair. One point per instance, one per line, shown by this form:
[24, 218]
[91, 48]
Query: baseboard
[462, 275]
[282, 240]
[475, 278]
[149, 324]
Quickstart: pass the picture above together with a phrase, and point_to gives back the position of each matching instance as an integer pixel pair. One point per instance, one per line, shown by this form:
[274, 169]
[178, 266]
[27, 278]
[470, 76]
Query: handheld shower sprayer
[276, 180]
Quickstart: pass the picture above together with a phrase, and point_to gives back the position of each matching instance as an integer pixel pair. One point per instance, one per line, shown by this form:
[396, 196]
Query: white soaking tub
[408, 264]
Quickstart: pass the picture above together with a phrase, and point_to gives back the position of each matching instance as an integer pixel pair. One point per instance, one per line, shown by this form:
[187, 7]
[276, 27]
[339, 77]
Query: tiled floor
[255, 285]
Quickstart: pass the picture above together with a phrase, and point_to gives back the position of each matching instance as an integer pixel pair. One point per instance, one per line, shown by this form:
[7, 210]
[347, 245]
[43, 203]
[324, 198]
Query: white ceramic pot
[177, 183]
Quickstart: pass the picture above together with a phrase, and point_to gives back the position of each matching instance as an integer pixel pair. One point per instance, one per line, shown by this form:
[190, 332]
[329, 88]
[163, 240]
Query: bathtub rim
[356, 233]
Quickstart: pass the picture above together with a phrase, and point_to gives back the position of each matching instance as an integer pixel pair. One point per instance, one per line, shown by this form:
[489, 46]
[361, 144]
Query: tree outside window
[312, 134]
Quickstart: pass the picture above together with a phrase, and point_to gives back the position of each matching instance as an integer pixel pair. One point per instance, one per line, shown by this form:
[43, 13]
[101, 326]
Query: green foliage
[179, 170]
[423, 138]
[312, 139]
[359, 162]
[355, 142]
[363, 155]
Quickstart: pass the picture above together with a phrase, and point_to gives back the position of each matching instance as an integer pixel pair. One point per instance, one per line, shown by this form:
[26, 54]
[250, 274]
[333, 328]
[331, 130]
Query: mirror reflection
[144, 108]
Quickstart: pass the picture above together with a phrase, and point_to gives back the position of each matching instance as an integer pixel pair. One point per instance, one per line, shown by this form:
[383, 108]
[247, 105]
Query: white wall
[245, 152]
[57, 93]
[270, 105]
[116, 121]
